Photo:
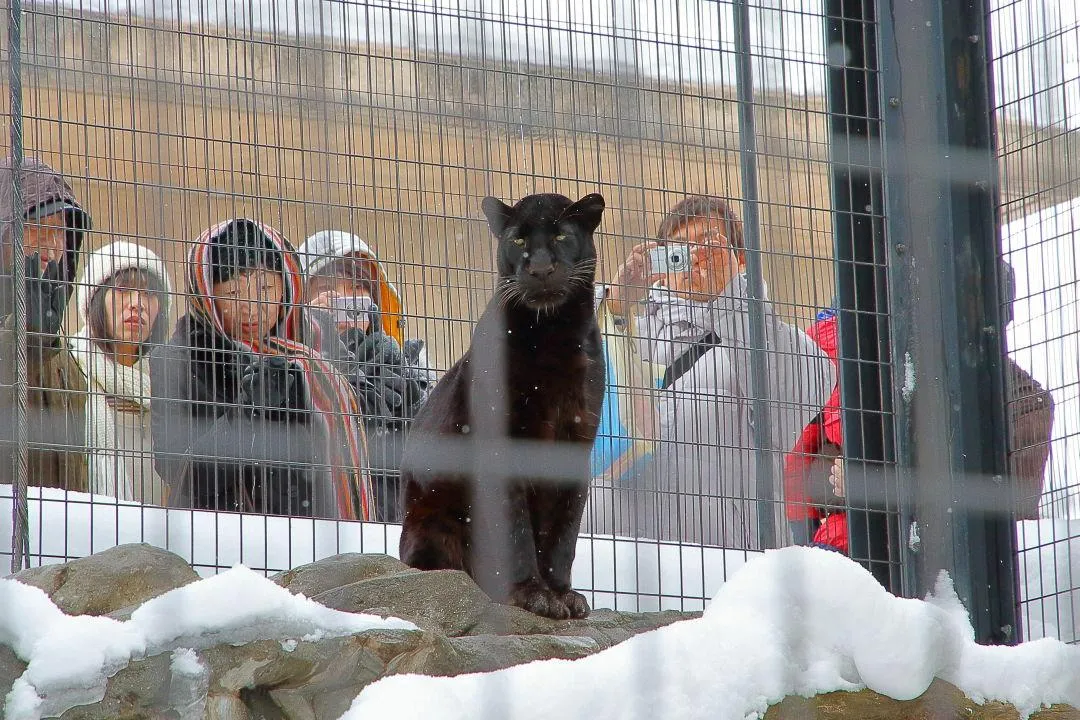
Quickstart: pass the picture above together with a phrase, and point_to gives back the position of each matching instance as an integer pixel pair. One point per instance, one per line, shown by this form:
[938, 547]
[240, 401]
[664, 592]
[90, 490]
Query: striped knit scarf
[332, 398]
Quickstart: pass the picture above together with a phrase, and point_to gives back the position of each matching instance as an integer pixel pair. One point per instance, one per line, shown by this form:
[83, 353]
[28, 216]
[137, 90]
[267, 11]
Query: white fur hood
[110, 259]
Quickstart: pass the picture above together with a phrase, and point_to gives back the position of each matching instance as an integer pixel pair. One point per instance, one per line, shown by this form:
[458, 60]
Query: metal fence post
[768, 533]
[20, 530]
[865, 383]
[944, 240]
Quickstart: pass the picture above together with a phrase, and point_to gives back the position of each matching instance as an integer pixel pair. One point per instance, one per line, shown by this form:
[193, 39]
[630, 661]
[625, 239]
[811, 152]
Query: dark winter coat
[56, 394]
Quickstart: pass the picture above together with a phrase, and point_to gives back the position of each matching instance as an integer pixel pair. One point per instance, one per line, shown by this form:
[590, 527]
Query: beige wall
[164, 131]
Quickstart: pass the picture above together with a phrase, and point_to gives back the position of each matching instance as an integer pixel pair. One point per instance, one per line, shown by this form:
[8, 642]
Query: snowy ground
[618, 573]
[69, 658]
[794, 621]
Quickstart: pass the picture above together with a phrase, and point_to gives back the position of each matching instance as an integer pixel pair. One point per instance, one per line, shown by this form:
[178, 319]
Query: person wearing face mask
[685, 296]
[54, 226]
[247, 415]
[122, 297]
[359, 312]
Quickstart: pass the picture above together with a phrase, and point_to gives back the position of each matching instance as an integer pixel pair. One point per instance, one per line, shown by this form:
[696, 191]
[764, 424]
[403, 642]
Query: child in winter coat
[814, 469]
[360, 312]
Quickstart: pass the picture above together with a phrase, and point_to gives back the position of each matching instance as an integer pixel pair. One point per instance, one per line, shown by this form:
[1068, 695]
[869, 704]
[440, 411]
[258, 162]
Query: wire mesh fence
[1035, 64]
[365, 136]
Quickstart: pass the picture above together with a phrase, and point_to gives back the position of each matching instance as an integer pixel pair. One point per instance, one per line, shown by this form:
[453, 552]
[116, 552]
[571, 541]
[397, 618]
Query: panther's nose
[541, 271]
[541, 265]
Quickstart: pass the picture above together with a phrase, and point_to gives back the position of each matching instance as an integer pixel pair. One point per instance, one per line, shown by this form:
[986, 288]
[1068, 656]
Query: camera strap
[682, 364]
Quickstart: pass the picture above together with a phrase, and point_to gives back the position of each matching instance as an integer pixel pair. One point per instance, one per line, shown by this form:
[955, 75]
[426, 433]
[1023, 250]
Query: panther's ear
[586, 212]
[497, 213]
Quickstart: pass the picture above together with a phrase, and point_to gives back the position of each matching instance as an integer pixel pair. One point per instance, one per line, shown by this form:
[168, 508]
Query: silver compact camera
[351, 309]
[674, 258]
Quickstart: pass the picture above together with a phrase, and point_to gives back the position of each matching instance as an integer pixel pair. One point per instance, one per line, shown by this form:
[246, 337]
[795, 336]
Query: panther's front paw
[541, 600]
[576, 603]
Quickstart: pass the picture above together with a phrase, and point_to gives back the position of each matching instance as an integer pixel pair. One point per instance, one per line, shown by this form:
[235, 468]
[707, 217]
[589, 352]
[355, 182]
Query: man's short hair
[695, 207]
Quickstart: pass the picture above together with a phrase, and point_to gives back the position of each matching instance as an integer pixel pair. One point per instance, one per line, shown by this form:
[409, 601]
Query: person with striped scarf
[247, 415]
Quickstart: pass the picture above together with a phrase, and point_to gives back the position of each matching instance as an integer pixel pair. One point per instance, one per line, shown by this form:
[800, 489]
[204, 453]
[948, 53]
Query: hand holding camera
[629, 284]
[386, 387]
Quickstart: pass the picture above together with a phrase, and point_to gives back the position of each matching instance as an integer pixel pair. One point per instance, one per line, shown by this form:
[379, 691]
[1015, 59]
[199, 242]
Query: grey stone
[606, 627]
[305, 679]
[484, 653]
[498, 619]
[462, 631]
[140, 690]
[126, 575]
[337, 571]
[11, 667]
[443, 601]
[611, 627]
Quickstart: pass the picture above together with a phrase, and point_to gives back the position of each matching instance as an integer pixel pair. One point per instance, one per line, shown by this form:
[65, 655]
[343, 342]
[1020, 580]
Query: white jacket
[705, 489]
[120, 450]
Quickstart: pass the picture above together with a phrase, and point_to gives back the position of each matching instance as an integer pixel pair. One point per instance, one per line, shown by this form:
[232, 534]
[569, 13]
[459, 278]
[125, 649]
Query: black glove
[46, 296]
[416, 370]
[266, 384]
[387, 390]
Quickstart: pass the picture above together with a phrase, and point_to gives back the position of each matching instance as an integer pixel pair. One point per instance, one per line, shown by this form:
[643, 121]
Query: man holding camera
[685, 300]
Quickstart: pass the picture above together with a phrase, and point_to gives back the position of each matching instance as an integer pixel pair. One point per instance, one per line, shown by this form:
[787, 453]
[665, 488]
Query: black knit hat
[240, 246]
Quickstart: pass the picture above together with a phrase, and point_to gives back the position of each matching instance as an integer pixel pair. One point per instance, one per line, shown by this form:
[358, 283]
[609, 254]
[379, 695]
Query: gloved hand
[388, 391]
[416, 368]
[266, 384]
[46, 296]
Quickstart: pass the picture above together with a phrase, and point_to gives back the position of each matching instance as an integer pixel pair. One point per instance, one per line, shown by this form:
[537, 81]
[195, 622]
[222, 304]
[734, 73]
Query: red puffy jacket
[806, 467]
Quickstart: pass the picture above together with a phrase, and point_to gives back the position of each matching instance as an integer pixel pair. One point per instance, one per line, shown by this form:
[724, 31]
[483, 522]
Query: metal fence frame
[905, 249]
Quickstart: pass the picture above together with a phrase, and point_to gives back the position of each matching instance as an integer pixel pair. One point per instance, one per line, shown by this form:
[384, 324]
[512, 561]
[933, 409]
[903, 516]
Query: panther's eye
[560, 238]
[520, 242]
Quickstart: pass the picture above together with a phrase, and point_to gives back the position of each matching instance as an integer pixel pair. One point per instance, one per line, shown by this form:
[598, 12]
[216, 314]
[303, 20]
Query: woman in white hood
[122, 299]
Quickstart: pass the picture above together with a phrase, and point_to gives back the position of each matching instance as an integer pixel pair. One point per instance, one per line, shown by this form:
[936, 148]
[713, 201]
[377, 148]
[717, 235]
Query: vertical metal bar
[759, 358]
[942, 200]
[865, 385]
[20, 533]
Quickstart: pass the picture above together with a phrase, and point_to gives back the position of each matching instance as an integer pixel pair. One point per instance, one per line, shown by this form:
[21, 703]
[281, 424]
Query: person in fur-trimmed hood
[53, 230]
[246, 416]
[122, 298]
[349, 294]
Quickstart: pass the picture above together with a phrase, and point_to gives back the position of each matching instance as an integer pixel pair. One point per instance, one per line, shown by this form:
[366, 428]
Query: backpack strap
[682, 364]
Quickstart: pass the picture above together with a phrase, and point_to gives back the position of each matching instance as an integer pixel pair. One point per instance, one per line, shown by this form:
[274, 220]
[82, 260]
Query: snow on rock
[69, 657]
[186, 662]
[793, 621]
